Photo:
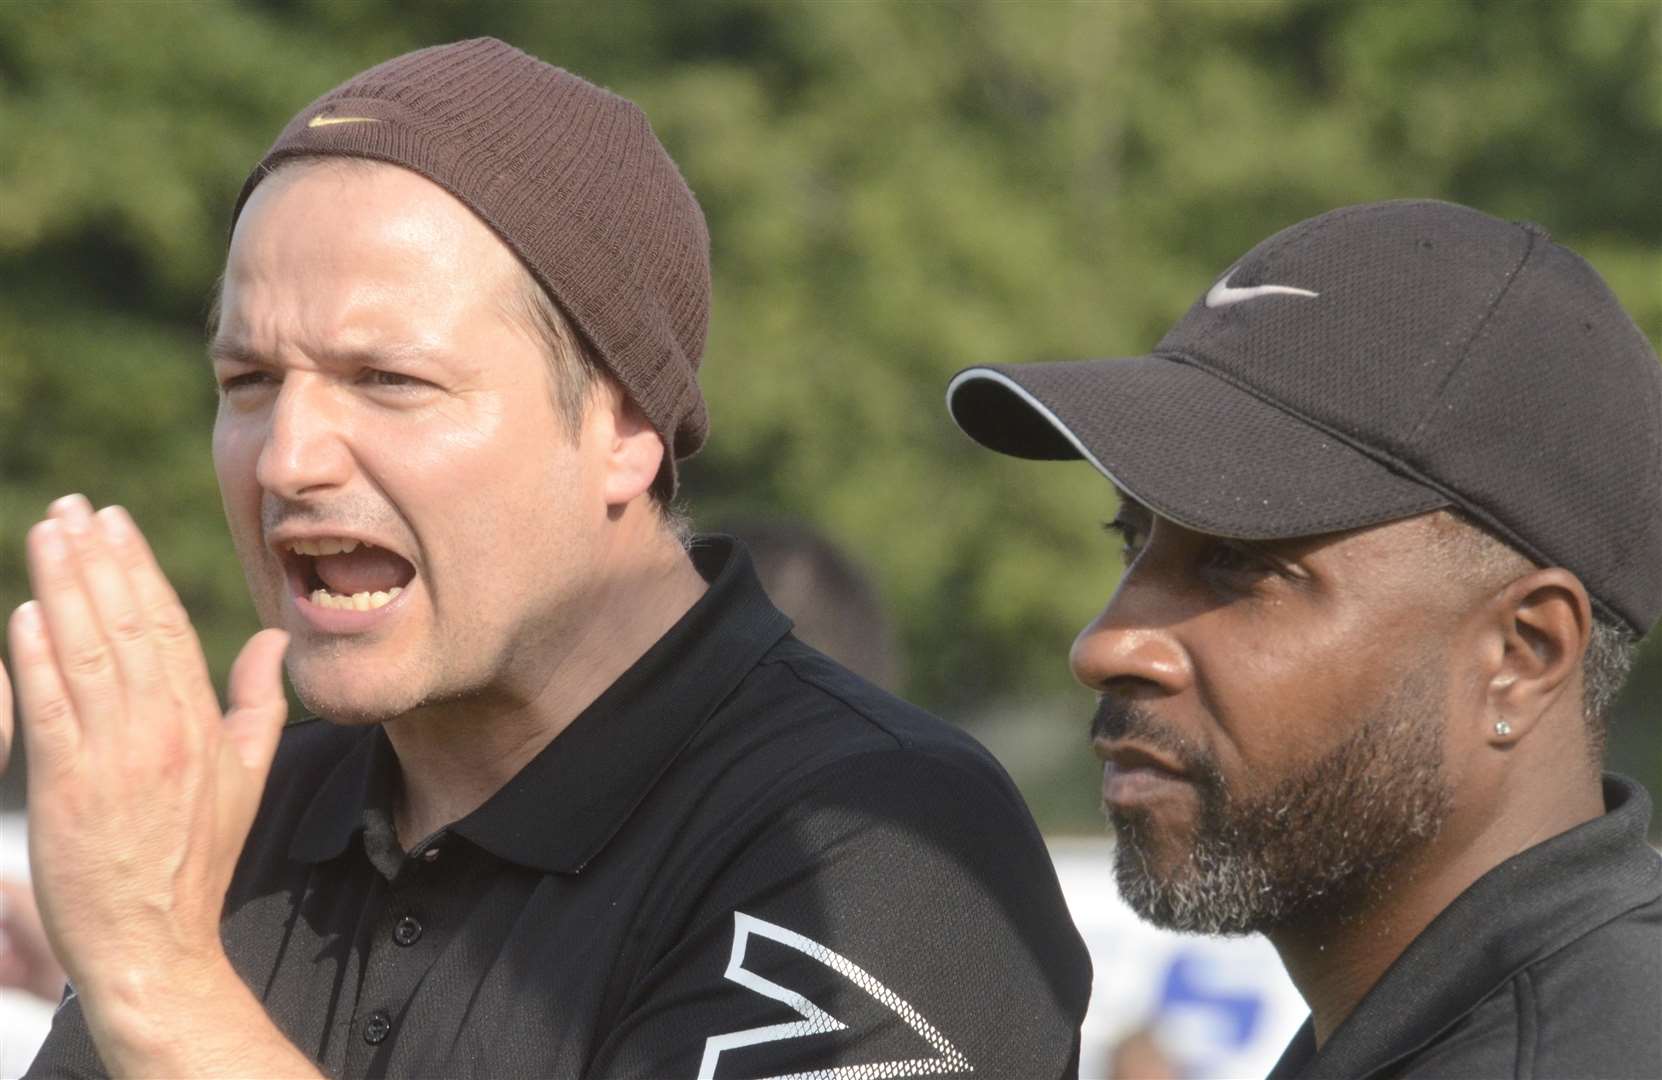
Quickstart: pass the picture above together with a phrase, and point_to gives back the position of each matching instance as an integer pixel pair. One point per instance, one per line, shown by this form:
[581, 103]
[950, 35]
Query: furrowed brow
[231, 351]
[383, 354]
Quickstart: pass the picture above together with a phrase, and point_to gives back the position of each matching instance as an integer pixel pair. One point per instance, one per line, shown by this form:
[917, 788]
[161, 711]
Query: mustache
[357, 513]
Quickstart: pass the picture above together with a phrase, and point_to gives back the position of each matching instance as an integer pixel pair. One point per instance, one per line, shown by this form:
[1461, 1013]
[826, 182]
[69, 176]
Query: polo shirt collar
[1530, 905]
[560, 810]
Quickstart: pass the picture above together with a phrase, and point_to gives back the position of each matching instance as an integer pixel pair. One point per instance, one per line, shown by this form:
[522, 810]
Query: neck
[1336, 957]
[454, 756]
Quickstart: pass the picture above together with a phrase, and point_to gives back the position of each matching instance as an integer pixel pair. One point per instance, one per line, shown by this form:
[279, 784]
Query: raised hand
[141, 791]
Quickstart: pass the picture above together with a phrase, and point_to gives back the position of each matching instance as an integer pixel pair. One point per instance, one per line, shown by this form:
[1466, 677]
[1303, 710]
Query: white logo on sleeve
[68, 996]
[1222, 295]
[815, 1020]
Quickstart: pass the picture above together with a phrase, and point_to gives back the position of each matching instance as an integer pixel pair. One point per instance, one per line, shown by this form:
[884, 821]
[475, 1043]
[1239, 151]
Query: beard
[1321, 842]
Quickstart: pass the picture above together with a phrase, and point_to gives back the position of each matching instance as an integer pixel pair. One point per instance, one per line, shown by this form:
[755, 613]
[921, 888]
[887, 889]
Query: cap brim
[1187, 444]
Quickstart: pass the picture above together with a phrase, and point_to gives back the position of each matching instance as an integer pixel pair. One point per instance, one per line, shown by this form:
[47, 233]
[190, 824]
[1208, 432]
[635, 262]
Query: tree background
[894, 191]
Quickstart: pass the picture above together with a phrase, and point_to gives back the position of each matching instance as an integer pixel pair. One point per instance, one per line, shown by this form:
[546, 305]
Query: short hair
[575, 372]
[1612, 647]
[1612, 650]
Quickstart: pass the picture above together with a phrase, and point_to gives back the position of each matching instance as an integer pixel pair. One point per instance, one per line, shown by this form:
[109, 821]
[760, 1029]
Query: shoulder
[872, 859]
[1596, 1005]
[802, 734]
[803, 694]
[811, 772]
[1587, 1009]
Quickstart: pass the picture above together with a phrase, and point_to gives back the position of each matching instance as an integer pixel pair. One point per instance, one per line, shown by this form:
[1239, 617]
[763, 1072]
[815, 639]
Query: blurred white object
[1218, 1007]
[24, 1018]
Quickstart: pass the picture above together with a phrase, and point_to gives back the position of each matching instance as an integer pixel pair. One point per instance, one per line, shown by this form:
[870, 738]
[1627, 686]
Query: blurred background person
[27, 962]
[31, 979]
[1141, 1056]
[829, 597]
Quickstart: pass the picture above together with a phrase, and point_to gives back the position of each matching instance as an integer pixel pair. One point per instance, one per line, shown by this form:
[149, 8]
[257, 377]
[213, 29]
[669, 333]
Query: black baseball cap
[1367, 365]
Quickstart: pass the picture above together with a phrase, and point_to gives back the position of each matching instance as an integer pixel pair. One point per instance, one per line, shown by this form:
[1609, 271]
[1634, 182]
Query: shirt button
[408, 931]
[431, 854]
[376, 1027]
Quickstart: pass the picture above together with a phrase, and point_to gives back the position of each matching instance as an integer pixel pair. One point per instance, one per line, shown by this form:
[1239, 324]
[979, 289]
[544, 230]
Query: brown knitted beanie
[572, 179]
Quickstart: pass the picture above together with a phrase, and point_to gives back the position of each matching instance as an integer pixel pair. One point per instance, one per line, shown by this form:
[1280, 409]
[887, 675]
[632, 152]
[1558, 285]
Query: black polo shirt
[741, 860]
[1550, 965]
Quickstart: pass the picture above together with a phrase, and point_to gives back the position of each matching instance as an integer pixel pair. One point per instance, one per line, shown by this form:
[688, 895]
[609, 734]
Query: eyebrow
[237, 351]
[221, 351]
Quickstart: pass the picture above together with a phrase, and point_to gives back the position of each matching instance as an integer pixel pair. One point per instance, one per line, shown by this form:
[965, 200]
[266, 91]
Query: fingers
[52, 731]
[124, 645]
[179, 651]
[110, 596]
[84, 657]
[107, 642]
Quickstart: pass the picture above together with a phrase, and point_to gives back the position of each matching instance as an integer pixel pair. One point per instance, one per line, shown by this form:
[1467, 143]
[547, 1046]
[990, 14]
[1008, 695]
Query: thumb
[254, 722]
[248, 737]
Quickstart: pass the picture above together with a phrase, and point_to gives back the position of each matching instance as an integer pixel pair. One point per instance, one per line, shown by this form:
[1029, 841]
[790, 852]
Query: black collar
[559, 811]
[1528, 907]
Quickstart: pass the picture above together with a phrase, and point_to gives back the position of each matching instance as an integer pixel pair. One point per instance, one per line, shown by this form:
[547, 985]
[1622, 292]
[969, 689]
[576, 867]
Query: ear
[1544, 622]
[632, 447]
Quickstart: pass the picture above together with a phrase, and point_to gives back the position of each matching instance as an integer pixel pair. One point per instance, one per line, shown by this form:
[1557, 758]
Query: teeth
[324, 545]
[363, 601]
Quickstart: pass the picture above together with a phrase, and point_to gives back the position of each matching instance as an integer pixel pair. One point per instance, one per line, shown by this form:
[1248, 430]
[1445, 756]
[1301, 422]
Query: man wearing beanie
[1391, 500]
[574, 801]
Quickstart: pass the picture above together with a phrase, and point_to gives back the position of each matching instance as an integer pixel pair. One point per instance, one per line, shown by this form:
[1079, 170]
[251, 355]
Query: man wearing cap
[1391, 497]
[576, 803]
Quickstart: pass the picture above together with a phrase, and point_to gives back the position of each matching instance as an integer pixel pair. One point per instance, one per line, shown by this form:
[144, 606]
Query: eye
[245, 380]
[380, 377]
[1235, 559]
[1131, 536]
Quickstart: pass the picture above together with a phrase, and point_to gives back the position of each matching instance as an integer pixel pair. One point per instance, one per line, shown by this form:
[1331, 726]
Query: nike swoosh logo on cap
[1222, 295]
[325, 121]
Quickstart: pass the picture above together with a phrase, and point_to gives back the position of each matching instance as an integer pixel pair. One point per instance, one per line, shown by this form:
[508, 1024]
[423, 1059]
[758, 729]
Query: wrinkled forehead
[325, 244]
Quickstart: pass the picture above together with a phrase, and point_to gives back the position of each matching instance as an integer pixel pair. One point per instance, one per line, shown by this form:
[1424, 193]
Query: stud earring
[1502, 728]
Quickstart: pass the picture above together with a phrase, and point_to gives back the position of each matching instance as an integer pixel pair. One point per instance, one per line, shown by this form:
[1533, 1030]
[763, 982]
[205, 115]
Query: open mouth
[345, 574]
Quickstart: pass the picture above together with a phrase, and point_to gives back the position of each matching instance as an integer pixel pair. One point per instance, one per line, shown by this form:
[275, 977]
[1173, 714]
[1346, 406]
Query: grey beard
[1322, 842]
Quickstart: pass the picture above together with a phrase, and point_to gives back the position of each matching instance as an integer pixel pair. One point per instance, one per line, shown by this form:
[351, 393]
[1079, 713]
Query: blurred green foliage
[894, 191]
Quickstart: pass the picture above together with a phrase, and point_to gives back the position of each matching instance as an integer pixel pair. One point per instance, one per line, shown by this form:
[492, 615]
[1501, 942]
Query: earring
[1502, 728]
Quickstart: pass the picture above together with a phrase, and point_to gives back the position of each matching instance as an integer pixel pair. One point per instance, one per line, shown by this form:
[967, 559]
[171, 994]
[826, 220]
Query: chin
[339, 692]
[1163, 842]
[352, 710]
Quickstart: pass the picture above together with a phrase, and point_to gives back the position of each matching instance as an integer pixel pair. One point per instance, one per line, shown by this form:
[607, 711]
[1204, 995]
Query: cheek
[1281, 698]
[236, 453]
[451, 446]
[488, 486]
[460, 429]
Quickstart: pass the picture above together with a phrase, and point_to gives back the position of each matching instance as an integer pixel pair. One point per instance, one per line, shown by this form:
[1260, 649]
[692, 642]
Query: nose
[305, 449]
[1123, 652]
